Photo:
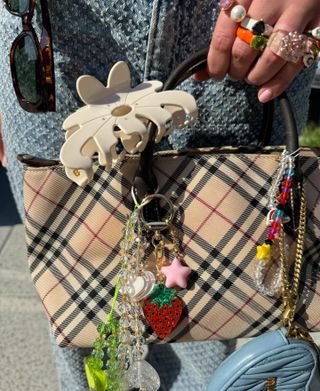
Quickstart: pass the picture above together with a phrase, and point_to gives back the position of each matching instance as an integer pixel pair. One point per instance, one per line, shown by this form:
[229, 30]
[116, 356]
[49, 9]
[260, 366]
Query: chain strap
[290, 292]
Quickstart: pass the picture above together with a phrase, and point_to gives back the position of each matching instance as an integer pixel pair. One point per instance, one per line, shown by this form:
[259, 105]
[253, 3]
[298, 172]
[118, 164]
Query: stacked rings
[290, 46]
[251, 31]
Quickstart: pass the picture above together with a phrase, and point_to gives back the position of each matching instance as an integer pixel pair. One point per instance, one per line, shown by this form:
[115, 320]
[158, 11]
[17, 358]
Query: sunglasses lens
[27, 69]
[18, 6]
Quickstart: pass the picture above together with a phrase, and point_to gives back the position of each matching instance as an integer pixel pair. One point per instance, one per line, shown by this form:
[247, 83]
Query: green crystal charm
[106, 377]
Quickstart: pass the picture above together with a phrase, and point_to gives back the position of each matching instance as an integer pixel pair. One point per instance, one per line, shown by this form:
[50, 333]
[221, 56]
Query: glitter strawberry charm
[162, 309]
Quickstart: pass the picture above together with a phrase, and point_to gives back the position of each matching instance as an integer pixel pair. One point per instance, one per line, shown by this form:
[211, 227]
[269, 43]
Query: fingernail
[265, 95]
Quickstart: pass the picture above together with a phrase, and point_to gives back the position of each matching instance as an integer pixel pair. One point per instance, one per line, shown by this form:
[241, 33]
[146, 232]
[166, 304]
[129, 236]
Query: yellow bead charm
[264, 252]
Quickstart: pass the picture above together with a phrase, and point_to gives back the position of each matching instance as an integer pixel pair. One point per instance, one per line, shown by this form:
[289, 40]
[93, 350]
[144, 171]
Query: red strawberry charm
[163, 310]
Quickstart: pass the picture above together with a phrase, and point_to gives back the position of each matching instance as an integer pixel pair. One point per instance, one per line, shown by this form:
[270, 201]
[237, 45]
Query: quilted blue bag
[269, 362]
[286, 359]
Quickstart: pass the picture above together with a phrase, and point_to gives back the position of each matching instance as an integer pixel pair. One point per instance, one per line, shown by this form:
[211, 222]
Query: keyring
[135, 200]
[157, 225]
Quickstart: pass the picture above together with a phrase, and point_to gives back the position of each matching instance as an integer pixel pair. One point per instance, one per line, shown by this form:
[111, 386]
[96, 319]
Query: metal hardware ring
[157, 225]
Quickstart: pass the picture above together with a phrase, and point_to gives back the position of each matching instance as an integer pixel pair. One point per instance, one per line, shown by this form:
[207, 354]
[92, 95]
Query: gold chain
[271, 384]
[158, 244]
[290, 292]
[175, 241]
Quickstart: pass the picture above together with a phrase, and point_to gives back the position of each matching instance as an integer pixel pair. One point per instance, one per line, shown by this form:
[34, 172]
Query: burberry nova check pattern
[73, 237]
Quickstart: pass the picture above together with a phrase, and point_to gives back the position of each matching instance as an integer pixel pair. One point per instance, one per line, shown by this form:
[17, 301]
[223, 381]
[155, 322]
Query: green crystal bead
[113, 325]
[113, 387]
[112, 342]
[112, 354]
[94, 362]
[103, 329]
[98, 354]
[112, 366]
[104, 344]
[98, 344]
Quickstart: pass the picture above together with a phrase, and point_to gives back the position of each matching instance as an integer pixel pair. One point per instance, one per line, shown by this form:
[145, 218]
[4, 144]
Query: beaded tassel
[124, 339]
[278, 198]
[130, 326]
[138, 373]
[102, 368]
[116, 362]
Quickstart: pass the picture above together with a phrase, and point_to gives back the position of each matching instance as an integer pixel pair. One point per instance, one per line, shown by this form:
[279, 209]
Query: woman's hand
[229, 55]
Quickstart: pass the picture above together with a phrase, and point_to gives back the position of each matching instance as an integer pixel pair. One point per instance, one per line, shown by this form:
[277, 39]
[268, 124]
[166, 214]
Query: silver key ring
[157, 225]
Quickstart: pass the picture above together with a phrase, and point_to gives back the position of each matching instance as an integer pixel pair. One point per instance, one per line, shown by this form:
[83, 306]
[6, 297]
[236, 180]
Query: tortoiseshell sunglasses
[31, 60]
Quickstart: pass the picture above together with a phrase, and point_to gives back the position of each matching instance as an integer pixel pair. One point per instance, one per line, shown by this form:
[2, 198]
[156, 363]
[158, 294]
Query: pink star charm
[176, 274]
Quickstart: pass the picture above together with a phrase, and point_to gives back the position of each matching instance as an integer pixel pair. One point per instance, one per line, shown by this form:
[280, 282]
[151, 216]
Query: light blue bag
[269, 362]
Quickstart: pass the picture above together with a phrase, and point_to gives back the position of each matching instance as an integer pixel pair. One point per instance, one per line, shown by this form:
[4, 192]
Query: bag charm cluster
[117, 361]
[267, 254]
[162, 307]
[114, 121]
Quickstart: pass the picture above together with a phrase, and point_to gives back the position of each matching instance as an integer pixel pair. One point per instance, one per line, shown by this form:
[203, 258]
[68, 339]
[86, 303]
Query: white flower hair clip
[118, 113]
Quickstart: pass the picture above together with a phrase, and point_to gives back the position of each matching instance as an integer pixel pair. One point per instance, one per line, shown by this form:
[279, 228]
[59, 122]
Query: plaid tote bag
[73, 237]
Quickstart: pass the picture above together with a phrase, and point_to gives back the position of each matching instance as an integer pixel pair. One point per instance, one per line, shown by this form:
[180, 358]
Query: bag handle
[145, 181]
[198, 61]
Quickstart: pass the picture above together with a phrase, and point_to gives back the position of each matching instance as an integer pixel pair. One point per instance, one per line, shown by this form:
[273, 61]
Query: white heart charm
[143, 285]
[138, 286]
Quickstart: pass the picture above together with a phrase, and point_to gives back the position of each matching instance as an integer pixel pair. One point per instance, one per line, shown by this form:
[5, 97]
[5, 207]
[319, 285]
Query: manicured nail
[265, 95]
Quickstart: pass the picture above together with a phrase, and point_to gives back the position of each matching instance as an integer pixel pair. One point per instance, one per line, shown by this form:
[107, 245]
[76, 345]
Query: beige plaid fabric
[73, 237]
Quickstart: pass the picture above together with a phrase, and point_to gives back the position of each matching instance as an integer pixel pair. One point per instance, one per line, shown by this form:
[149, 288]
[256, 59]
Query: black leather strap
[198, 62]
[145, 181]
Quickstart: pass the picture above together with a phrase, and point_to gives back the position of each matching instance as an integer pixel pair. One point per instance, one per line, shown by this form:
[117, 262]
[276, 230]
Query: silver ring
[258, 27]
